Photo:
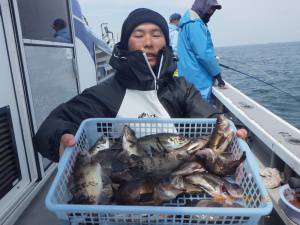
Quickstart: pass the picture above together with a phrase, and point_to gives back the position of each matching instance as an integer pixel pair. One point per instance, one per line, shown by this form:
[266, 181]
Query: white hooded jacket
[173, 33]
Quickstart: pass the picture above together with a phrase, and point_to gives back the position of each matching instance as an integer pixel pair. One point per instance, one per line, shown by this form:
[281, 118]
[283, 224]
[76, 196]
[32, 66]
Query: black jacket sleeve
[195, 105]
[66, 118]
[182, 100]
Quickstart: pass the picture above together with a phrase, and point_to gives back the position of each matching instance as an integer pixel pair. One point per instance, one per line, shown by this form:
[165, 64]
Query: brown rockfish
[222, 125]
[221, 165]
[86, 184]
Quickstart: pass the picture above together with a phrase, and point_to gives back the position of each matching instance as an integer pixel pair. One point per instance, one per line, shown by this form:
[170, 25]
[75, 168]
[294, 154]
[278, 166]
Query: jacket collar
[62, 32]
[188, 17]
[194, 15]
[134, 71]
[173, 27]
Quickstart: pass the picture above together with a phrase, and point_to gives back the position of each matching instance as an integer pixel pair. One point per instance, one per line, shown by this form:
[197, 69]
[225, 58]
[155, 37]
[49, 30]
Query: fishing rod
[253, 77]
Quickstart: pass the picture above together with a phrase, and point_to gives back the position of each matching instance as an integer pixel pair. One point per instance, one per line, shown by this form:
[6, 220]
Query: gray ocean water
[277, 64]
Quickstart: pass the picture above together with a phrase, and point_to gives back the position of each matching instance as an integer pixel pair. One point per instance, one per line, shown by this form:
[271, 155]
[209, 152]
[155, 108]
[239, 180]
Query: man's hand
[221, 82]
[242, 133]
[67, 140]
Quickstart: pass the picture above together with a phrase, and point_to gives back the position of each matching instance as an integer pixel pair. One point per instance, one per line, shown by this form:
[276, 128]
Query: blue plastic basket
[256, 200]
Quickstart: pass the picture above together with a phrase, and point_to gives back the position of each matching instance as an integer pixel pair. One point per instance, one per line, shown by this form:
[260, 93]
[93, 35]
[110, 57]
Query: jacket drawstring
[150, 68]
[160, 65]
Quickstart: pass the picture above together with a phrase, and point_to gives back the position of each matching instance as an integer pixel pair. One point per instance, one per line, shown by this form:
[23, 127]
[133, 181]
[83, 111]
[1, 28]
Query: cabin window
[9, 166]
[50, 69]
[45, 20]
[52, 80]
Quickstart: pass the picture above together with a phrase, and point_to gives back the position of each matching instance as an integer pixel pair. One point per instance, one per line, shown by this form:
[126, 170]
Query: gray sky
[239, 22]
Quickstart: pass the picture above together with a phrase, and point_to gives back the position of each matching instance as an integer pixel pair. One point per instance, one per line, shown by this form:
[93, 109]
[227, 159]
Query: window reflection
[45, 20]
[62, 33]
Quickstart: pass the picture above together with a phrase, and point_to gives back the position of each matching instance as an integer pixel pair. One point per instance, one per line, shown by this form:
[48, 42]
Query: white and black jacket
[134, 91]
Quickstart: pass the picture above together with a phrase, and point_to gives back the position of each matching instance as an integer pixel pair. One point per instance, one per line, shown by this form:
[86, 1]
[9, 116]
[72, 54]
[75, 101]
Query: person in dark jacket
[143, 86]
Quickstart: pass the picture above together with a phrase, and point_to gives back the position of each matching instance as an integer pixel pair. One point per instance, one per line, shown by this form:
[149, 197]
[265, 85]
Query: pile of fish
[155, 169]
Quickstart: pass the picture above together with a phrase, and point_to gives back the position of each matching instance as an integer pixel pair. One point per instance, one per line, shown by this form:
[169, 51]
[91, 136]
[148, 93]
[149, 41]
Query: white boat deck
[37, 213]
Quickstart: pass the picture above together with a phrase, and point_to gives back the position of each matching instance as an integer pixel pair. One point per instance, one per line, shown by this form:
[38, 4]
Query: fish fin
[225, 142]
[161, 148]
[219, 198]
[223, 199]
[243, 157]
[115, 186]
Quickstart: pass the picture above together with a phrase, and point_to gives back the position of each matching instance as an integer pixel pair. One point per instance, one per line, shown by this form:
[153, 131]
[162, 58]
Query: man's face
[208, 14]
[54, 27]
[211, 11]
[175, 22]
[148, 38]
[57, 27]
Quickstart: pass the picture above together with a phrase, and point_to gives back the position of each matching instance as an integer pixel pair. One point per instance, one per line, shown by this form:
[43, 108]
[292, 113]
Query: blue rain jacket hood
[197, 58]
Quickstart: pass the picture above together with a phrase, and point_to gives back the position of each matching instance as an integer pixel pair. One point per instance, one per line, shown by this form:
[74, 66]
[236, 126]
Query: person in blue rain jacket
[197, 58]
[173, 30]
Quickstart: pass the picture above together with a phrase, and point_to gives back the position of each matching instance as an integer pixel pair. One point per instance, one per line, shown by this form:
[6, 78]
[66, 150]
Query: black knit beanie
[139, 16]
